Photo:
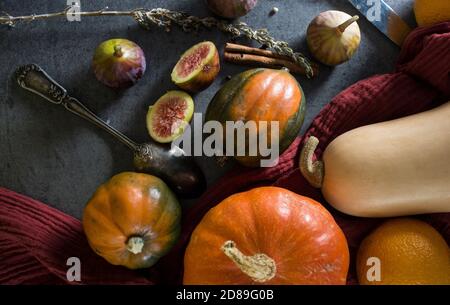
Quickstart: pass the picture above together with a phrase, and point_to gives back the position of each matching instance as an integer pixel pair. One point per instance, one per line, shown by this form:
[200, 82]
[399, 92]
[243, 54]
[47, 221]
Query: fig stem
[118, 51]
[341, 28]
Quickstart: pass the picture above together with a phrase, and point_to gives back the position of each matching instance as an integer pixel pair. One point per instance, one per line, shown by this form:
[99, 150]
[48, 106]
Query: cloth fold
[36, 240]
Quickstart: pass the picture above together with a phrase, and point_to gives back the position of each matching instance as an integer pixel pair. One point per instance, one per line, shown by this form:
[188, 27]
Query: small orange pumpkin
[267, 235]
[132, 220]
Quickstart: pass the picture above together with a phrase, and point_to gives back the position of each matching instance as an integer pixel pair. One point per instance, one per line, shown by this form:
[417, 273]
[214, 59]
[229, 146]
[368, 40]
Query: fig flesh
[169, 116]
[197, 67]
[119, 63]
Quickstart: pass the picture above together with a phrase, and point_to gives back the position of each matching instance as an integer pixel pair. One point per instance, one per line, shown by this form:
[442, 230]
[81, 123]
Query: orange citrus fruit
[430, 12]
[404, 251]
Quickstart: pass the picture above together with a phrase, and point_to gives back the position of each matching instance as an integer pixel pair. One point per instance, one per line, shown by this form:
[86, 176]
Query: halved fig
[197, 67]
[169, 116]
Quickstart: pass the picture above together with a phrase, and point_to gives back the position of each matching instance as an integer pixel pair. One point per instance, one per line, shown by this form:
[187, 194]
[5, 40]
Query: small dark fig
[118, 63]
[197, 68]
[169, 116]
[231, 9]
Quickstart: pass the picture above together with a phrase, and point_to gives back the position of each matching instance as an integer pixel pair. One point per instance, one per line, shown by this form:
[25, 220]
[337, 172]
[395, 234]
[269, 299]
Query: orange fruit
[403, 251]
[430, 12]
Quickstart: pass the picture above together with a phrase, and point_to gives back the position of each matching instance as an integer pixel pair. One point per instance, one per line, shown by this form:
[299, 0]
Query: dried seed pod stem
[167, 19]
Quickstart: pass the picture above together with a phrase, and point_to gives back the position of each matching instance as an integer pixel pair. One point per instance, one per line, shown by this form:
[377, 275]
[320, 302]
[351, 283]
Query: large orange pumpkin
[132, 220]
[259, 95]
[267, 235]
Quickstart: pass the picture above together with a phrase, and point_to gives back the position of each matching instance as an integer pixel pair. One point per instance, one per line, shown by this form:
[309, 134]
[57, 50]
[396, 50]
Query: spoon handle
[34, 79]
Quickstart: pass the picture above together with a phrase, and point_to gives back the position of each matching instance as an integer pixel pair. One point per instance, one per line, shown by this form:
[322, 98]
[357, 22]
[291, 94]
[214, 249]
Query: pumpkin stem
[312, 171]
[135, 244]
[346, 24]
[259, 267]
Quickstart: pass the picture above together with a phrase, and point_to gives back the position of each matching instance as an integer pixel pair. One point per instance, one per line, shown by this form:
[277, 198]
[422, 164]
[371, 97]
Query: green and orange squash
[261, 95]
[132, 220]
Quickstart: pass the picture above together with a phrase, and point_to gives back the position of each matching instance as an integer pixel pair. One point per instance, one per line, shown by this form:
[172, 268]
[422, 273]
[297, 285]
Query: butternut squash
[395, 168]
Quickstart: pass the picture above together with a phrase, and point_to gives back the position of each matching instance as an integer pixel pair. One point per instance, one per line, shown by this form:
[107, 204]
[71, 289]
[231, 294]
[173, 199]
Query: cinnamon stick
[244, 55]
[266, 62]
[241, 49]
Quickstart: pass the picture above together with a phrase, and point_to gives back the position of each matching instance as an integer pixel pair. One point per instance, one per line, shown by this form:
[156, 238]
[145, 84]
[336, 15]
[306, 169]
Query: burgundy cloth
[36, 240]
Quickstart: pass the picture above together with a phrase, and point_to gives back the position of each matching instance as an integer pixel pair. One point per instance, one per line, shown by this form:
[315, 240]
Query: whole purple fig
[118, 63]
[231, 8]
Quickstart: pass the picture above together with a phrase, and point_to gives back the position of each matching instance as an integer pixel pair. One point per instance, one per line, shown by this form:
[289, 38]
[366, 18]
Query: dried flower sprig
[165, 18]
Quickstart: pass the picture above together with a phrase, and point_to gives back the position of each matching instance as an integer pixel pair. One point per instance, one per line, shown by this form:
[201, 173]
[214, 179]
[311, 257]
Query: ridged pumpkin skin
[261, 95]
[294, 236]
[132, 205]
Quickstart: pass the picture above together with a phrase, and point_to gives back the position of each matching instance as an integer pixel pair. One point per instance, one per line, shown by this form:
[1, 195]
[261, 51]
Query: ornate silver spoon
[180, 172]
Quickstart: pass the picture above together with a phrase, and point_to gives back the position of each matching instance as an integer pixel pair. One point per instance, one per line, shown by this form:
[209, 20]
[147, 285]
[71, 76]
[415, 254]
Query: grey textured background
[56, 157]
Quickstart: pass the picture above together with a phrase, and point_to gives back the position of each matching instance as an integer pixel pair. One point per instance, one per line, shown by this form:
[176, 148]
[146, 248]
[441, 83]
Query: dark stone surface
[56, 157]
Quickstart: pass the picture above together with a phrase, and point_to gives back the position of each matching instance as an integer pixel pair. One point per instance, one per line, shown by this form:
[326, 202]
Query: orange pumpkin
[132, 220]
[259, 95]
[267, 235]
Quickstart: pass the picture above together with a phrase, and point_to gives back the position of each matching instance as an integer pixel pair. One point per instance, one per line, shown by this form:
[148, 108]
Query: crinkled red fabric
[36, 240]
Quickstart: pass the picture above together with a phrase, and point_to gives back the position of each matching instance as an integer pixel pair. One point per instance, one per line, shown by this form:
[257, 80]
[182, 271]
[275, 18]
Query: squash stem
[312, 171]
[346, 24]
[260, 267]
[135, 244]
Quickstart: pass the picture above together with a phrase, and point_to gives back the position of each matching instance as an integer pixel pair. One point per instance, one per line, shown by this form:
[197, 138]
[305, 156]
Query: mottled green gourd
[255, 95]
